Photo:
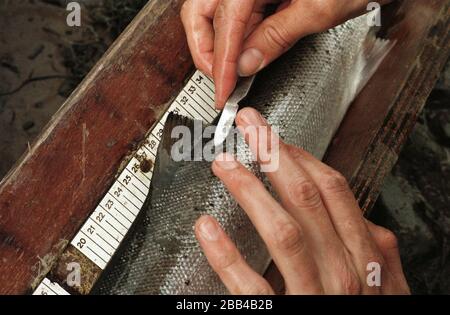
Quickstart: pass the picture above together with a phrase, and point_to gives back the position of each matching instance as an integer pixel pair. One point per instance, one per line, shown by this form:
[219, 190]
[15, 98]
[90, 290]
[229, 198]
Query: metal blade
[230, 110]
[225, 123]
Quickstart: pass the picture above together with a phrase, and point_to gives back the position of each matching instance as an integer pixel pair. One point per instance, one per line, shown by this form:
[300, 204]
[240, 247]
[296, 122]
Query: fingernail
[226, 161]
[209, 230]
[250, 62]
[251, 117]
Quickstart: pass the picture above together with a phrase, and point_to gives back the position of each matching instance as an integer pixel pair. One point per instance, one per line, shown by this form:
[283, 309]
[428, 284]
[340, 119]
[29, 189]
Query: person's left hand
[317, 236]
[227, 37]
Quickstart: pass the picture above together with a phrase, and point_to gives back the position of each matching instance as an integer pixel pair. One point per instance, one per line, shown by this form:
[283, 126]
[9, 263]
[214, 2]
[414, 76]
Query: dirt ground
[42, 60]
[415, 201]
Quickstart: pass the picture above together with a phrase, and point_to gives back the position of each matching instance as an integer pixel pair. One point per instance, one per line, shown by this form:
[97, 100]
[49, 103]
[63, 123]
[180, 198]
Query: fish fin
[165, 163]
[372, 53]
[173, 121]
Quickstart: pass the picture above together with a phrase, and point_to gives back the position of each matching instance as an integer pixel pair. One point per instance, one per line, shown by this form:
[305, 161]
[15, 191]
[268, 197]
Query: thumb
[279, 32]
[273, 37]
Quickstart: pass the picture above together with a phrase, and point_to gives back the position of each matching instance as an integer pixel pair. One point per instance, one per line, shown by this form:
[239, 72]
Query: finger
[282, 235]
[230, 25]
[259, 12]
[344, 211]
[301, 198]
[291, 22]
[337, 196]
[314, 193]
[253, 23]
[388, 245]
[298, 193]
[227, 262]
[274, 36]
[197, 16]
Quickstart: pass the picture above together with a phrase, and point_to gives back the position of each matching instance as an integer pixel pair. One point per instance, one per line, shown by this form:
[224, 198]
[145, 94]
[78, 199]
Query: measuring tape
[106, 227]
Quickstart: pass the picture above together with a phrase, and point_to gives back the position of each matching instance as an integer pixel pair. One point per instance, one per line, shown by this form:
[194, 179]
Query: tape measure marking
[106, 227]
[49, 288]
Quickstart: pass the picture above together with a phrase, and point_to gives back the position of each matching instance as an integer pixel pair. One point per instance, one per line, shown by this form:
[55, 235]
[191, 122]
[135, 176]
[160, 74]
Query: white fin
[372, 53]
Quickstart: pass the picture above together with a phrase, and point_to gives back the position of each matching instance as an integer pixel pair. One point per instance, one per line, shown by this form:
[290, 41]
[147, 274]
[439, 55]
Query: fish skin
[305, 93]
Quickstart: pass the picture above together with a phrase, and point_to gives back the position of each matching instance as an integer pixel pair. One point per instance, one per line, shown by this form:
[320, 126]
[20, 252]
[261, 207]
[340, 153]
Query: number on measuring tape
[49, 288]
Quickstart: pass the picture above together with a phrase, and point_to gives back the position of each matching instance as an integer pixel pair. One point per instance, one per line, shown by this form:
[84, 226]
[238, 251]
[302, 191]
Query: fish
[305, 94]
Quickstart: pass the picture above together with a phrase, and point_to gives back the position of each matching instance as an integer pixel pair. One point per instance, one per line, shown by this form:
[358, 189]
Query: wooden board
[48, 195]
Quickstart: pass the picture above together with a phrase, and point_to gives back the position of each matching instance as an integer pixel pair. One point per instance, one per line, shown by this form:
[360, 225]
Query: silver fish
[306, 93]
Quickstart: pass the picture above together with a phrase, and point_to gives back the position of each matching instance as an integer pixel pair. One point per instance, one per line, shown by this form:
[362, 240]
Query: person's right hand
[227, 37]
[316, 233]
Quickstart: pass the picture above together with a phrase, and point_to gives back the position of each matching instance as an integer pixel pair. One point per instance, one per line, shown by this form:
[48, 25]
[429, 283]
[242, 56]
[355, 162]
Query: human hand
[317, 236]
[227, 37]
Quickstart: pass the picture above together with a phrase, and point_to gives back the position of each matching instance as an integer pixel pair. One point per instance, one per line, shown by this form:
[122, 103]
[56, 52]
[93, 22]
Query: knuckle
[288, 237]
[325, 9]
[303, 193]
[226, 260]
[228, 13]
[359, 238]
[389, 240]
[277, 36]
[295, 152]
[325, 12]
[335, 183]
[243, 180]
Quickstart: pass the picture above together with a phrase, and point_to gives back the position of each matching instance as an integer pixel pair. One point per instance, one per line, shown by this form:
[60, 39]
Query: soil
[42, 60]
[415, 200]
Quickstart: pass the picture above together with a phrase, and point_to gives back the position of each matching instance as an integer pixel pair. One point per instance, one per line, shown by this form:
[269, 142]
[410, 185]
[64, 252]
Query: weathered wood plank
[56, 185]
[367, 145]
